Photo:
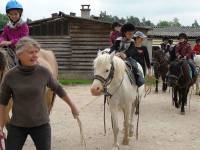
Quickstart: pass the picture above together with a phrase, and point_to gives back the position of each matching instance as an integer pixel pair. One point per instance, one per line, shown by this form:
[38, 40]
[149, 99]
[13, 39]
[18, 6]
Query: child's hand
[121, 55]
[5, 43]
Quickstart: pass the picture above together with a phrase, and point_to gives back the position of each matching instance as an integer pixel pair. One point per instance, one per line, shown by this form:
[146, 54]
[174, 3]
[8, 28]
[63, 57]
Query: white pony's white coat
[197, 62]
[123, 93]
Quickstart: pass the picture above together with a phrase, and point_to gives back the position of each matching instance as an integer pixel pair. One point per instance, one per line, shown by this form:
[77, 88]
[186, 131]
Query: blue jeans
[41, 136]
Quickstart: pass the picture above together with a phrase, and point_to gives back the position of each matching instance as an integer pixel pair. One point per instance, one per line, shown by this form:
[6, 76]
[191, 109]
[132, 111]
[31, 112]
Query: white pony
[110, 71]
[197, 62]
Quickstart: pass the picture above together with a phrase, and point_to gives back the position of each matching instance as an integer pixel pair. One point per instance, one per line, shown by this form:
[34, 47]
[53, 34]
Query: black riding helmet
[128, 27]
[115, 24]
[165, 38]
[198, 39]
[182, 36]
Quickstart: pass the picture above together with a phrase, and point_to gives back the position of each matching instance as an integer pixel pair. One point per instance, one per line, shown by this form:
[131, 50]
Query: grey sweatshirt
[26, 86]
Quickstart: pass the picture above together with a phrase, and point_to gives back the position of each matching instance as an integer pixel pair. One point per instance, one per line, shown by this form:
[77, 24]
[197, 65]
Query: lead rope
[83, 141]
[138, 118]
[104, 113]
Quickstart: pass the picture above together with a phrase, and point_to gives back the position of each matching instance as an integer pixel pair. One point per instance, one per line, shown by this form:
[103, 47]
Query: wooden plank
[54, 46]
[90, 27]
[69, 49]
[87, 47]
[88, 35]
[84, 39]
[91, 44]
[54, 42]
[82, 67]
[51, 37]
[89, 32]
[86, 59]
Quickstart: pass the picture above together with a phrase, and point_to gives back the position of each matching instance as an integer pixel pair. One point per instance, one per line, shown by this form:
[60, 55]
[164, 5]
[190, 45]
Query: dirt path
[161, 126]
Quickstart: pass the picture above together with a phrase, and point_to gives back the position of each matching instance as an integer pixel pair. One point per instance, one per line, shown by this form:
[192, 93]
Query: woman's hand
[121, 55]
[75, 111]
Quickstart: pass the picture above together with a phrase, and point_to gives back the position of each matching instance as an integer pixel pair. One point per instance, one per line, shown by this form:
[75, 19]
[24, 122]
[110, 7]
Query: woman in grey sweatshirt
[26, 84]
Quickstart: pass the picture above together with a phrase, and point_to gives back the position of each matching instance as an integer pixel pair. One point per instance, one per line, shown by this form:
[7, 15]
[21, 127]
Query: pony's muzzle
[96, 90]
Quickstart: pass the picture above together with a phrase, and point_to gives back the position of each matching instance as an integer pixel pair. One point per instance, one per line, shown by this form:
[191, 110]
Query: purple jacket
[14, 34]
[113, 36]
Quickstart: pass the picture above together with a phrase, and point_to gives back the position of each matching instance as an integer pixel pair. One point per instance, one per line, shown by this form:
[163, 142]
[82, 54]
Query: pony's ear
[112, 55]
[99, 52]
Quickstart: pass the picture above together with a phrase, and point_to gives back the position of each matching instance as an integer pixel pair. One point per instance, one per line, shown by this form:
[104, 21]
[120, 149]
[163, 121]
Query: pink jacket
[113, 36]
[184, 49]
[14, 34]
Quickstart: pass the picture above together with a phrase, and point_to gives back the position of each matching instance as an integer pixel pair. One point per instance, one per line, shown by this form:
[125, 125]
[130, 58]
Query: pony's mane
[104, 59]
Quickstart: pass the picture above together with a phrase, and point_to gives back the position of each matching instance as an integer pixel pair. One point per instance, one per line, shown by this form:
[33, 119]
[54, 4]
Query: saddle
[134, 73]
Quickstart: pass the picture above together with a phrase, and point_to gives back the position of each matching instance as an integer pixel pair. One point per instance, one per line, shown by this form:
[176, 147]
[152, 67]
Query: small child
[14, 30]
[115, 33]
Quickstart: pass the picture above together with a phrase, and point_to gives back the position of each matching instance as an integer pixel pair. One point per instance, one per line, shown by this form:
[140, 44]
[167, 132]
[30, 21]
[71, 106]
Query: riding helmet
[128, 27]
[182, 35]
[13, 4]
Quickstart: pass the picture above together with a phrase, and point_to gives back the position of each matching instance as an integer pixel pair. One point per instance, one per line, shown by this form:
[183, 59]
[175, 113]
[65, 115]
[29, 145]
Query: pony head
[106, 69]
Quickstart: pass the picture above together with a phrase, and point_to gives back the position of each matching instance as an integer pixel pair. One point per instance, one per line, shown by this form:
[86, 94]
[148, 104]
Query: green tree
[133, 20]
[175, 23]
[3, 20]
[195, 24]
[145, 22]
[163, 24]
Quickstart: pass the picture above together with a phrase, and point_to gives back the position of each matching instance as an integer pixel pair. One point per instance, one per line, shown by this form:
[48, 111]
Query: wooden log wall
[61, 47]
[87, 38]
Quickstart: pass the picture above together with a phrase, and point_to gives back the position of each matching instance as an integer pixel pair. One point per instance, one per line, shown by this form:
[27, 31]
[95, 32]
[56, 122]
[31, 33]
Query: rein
[105, 83]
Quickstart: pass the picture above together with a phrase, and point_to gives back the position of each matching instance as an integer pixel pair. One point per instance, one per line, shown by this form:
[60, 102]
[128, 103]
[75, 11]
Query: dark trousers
[40, 135]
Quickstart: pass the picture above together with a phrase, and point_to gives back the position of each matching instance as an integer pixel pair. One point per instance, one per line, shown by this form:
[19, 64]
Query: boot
[194, 71]
[138, 77]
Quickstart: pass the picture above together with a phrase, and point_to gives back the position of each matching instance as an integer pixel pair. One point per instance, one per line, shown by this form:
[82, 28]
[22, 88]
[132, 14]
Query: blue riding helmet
[13, 4]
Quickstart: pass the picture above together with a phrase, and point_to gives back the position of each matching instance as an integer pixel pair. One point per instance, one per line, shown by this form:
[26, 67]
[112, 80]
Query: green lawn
[73, 82]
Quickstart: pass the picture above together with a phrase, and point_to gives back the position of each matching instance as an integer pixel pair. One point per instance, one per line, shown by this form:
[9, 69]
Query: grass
[150, 81]
[74, 81]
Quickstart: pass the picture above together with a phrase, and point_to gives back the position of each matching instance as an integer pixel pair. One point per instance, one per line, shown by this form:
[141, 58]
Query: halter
[177, 78]
[107, 81]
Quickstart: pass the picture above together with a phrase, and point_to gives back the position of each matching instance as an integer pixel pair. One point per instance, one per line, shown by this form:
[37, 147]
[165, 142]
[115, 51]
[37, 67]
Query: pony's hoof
[125, 141]
[182, 113]
[131, 133]
[115, 147]
[176, 105]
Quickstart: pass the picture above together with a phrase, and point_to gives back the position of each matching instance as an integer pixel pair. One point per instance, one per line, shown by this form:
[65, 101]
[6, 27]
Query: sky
[155, 10]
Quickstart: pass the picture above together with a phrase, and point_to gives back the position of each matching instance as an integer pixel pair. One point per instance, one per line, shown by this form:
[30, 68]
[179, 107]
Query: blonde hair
[26, 41]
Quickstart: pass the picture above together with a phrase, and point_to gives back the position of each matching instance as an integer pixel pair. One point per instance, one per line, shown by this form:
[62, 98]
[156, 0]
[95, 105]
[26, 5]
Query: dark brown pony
[160, 65]
[178, 80]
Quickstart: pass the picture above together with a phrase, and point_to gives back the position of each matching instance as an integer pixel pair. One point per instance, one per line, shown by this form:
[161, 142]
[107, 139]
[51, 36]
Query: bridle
[177, 78]
[107, 81]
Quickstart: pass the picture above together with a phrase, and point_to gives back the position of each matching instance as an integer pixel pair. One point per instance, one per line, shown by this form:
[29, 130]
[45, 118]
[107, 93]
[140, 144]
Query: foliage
[195, 24]
[134, 20]
[174, 23]
[72, 82]
[3, 20]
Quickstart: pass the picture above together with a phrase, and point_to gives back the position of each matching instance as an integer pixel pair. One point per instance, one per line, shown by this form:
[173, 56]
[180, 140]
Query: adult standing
[26, 84]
